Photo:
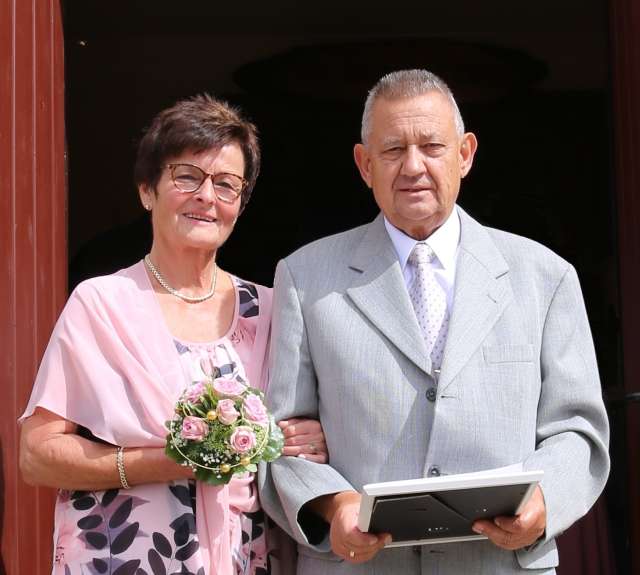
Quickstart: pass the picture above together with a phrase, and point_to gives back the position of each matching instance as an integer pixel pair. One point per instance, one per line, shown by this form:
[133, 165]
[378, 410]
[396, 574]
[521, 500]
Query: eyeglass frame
[207, 175]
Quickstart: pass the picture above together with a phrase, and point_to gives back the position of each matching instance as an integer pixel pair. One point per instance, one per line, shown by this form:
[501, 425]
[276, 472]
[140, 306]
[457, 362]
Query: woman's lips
[204, 218]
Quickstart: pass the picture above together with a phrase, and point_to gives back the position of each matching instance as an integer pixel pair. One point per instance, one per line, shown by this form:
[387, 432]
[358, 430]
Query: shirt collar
[444, 241]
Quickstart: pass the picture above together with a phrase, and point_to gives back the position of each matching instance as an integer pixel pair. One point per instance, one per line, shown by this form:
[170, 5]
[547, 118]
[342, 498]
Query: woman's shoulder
[251, 284]
[112, 286]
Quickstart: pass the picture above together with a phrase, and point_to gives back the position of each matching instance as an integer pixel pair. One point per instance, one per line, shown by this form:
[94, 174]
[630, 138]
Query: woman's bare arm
[53, 454]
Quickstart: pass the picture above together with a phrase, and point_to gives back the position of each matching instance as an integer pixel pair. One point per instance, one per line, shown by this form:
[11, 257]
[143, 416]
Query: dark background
[532, 83]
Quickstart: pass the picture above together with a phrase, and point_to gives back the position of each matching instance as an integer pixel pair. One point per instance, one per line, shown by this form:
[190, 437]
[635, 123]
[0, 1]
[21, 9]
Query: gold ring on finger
[352, 554]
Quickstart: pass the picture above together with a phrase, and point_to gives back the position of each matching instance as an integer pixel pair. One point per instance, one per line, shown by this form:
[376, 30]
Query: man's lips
[414, 189]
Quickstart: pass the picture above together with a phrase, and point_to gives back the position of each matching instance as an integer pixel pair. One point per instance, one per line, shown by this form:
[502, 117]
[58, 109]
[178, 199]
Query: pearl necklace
[175, 292]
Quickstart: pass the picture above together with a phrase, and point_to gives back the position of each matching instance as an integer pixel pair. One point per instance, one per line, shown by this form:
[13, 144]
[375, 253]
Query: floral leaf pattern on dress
[187, 551]
[125, 538]
[183, 526]
[121, 514]
[89, 522]
[156, 563]
[105, 528]
[96, 540]
[161, 544]
[182, 494]
[128, 568]
[101, 565]
[108, 497]
[248, 296]
[84, 503]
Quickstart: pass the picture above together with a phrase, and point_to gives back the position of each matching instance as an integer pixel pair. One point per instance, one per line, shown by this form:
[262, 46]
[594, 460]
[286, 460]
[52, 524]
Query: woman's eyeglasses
[188, 178]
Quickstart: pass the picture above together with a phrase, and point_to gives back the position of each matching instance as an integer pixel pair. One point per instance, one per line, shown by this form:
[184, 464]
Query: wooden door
[625, 60]
[33, 252]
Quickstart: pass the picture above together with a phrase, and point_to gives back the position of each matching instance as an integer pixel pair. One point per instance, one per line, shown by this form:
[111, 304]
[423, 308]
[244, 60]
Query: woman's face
[197, 220]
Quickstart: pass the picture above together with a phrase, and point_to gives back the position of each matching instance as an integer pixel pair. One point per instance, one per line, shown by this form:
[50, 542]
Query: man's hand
[347, 541]
[516, 532]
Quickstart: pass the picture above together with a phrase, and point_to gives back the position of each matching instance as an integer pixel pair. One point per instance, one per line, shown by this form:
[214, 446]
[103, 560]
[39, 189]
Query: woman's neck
[184, 269]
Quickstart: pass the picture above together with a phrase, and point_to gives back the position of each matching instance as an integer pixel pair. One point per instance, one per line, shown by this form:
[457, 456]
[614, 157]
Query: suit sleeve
[572, 427]
[288, 483]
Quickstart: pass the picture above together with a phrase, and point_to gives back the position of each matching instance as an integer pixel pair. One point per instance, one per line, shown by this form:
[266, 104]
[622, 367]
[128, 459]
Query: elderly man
[428, 344]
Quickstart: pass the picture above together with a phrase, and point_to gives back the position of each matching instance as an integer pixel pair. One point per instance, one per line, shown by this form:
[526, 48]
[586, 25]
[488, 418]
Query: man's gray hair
[407, 84]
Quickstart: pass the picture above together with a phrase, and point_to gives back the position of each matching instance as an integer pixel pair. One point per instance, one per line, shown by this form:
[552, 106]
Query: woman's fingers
[309, 448]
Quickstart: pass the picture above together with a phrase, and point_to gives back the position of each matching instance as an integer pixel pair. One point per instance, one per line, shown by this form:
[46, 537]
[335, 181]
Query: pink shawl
[112, 366]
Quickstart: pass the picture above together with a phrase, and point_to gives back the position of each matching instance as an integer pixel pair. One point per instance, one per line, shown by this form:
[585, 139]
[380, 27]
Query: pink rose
[194, 428]
[255, 411]
[228, 387]
[227, 412]
[242, 439]
[193, 393]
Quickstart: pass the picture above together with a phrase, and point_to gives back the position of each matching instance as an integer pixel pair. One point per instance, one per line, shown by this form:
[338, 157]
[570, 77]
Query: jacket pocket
[508, 353]
[543, 556]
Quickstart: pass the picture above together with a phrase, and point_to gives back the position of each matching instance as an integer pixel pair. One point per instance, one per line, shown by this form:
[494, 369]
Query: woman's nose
[206, 191]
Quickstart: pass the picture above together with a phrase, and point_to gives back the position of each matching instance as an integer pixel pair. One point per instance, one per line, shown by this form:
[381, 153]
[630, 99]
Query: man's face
[414, 161]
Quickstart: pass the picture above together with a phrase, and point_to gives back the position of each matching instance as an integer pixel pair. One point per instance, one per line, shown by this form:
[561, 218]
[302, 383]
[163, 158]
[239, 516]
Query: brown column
[625, 46]
[33, 252]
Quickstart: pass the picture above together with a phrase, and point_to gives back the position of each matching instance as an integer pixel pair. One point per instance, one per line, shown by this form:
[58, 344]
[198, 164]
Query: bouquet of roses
[221, 428]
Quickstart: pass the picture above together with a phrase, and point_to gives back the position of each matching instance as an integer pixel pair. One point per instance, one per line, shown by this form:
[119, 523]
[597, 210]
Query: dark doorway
[532, 81]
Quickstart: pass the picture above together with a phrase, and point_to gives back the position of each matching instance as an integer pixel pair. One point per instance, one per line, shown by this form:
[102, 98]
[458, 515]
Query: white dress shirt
[444, 242]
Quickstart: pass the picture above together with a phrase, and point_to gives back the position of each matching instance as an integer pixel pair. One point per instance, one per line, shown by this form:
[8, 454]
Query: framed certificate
[442, 509]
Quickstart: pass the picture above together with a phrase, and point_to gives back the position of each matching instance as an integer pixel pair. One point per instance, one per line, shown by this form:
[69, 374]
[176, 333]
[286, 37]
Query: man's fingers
[499, 537]
[356, 553]
[519, 531]
[347, 541]
[507, 532]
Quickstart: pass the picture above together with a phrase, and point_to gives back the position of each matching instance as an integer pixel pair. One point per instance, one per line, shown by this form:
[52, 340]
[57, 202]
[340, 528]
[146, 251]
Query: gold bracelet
[120, 465]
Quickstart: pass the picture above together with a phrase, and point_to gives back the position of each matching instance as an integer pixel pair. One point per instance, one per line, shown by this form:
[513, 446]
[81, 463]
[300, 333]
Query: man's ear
[468, 147]
[363, 161]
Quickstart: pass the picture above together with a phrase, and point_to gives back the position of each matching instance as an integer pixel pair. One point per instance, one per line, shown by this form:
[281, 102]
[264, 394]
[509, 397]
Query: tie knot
[421, 254]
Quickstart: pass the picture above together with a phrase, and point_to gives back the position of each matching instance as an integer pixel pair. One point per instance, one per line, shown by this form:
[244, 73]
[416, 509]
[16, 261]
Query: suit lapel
[482, 291]
[379, 292]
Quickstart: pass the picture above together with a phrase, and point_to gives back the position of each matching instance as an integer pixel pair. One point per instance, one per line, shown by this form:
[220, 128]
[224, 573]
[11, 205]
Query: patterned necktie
[429, 302]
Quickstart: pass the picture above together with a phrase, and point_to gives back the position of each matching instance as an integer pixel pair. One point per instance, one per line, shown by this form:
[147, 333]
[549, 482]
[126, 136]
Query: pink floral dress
[151, 529]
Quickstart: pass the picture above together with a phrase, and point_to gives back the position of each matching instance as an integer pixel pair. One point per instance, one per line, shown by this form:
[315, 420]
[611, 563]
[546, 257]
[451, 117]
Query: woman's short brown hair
[196, 124]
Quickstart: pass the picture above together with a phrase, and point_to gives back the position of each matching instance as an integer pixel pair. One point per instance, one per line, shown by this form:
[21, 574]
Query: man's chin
[420, 225]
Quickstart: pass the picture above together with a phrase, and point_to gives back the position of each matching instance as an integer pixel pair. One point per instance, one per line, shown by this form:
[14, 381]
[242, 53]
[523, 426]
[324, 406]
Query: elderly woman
[125, 348]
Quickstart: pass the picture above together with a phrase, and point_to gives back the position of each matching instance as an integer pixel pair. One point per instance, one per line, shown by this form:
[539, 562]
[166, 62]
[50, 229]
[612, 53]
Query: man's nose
[412, 164]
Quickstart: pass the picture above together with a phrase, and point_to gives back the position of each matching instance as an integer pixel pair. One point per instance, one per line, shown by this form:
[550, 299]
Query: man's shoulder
[526, 254]
[335, 247]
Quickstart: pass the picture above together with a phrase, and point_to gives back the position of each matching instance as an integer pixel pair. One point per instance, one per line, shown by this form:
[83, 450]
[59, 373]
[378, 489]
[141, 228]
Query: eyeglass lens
[188, 178]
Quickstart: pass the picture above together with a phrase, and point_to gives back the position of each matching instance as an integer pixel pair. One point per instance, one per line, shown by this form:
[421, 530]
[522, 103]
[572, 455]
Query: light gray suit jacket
[519, 383]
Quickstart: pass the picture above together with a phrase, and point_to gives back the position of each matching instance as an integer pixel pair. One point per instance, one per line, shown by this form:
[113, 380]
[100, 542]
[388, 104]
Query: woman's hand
[304, 438]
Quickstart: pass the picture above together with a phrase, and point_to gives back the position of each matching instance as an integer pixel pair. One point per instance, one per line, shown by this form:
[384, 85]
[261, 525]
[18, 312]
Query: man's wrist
[326, 505]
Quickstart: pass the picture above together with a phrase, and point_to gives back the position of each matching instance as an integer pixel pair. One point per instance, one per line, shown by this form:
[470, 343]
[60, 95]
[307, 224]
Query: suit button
[431, 394]
[434, 471]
